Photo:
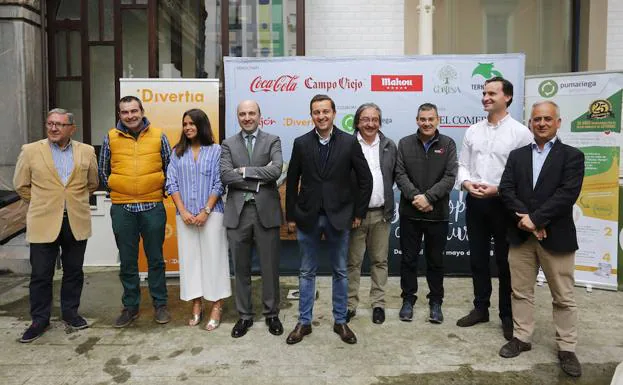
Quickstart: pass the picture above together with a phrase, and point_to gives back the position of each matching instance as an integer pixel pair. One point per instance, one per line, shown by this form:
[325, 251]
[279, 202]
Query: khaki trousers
[373, 236]
[524, 261]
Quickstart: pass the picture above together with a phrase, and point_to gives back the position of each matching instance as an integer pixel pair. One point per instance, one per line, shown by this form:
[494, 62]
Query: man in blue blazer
[322, 163]
[540, 184]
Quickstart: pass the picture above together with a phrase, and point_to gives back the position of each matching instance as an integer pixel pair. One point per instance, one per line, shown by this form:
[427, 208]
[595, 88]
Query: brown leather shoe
[298, 333]
[345, 333]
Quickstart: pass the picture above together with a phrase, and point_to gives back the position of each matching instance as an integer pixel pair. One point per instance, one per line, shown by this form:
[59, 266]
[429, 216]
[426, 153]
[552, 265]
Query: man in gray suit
[251, 163]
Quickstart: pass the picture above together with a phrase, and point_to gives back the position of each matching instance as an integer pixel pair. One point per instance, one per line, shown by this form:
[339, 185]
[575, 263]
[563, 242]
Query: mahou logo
[396, 83]
[284, 83]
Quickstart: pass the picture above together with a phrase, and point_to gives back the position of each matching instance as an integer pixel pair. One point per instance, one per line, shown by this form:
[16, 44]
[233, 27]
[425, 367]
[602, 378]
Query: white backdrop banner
[590, 108]
[284, 86]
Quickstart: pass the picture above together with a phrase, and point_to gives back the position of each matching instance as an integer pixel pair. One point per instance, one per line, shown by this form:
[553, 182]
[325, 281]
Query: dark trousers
[43, 260]
[487, 218]
[435, 234]
[128, 228]
[249, 234]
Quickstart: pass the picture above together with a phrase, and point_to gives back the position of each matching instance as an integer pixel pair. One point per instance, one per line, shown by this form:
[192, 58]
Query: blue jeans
[309, 245]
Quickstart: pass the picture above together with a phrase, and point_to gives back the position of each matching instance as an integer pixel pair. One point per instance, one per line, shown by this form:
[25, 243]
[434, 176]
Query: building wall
[21, 100]
[354, 27]
[614, 41]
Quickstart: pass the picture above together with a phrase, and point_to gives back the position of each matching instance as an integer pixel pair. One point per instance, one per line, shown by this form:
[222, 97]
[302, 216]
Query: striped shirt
[104, 165]
[63, 160]
[196, 180]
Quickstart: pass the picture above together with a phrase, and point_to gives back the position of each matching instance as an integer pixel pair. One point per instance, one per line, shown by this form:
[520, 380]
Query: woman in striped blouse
[194, 183]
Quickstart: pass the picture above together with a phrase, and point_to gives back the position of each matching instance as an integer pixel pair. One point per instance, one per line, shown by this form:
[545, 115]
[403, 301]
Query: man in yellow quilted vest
[132, 166]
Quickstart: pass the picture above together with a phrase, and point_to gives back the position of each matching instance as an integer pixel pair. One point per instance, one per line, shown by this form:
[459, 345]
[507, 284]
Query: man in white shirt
[373, 233]
[485, 149]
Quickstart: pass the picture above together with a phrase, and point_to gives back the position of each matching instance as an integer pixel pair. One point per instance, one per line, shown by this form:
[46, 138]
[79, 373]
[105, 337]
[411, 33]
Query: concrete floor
[393, 353]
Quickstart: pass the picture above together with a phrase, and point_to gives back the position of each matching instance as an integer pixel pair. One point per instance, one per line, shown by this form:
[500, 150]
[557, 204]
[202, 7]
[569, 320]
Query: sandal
[214, 323]
[196, 318]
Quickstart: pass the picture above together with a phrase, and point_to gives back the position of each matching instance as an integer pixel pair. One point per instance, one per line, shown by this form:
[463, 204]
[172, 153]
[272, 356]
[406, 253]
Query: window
[539, 28]
[94, 43]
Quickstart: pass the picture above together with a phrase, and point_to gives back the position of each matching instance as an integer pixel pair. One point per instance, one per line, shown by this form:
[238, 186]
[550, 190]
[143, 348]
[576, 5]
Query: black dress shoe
[274, 326]
[475, 316]
[298, 333]
[514, 348]
[350, 314]
[569, 363]
[345, 333]
[378, 315]
[241, 327]
[507, 328]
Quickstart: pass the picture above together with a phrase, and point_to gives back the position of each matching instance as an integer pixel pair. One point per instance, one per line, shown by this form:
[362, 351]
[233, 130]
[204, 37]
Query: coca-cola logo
[284, 83]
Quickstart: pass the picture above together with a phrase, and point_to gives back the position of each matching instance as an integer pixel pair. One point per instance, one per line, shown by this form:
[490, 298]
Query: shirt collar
[547, 146]
[376, 140]
[253, 134]
[324, 140]
[67, 147]
[502, 121]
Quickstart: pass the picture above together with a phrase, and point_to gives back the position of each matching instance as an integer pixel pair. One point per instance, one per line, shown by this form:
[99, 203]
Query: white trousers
[203, 259]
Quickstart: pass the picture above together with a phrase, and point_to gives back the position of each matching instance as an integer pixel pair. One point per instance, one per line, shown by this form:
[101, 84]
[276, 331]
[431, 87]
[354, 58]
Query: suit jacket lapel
[46, 153]
[242, 142]
[333, 149]
[313, 145]
[77, 154]
[551, 158]
[529, 163]
[259, 140]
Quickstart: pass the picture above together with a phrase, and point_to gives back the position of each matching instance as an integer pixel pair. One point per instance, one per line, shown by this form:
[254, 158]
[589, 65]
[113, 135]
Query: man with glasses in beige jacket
[55, 177]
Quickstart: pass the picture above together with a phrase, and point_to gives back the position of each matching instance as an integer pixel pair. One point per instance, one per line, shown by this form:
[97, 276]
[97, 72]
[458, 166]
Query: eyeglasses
[368, 120]
[57, 124]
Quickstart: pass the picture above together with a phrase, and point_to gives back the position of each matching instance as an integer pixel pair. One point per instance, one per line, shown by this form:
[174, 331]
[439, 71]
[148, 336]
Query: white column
[425, 36]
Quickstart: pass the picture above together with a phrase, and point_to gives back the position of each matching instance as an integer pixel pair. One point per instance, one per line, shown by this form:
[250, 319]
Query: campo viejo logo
[396, 83]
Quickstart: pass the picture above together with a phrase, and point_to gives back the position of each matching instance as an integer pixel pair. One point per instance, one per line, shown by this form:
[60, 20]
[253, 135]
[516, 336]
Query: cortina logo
[486, 70]
[448, 76]
[548, 88]
[396, 83]
[284, 83]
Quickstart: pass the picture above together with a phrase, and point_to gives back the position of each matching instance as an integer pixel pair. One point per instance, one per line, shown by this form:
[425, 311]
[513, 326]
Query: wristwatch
[207, 210]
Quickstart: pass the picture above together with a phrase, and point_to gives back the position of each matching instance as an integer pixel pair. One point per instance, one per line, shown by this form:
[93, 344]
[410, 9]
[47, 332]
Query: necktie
[250, 145]
[248, 195]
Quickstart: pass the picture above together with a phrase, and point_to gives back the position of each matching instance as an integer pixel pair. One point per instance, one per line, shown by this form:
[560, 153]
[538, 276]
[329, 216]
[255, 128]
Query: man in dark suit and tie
[323, 161]
[539, 186]
[251, 163]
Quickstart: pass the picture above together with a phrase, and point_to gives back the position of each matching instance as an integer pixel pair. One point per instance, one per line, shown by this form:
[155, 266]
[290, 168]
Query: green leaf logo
[486, 70]
[548, 88]
[347, 123]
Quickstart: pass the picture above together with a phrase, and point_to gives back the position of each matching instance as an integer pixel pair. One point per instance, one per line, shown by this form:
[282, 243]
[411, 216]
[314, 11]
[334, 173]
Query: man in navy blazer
[322, 163]
[540, 184]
